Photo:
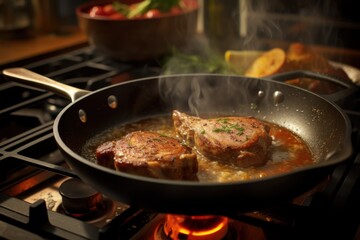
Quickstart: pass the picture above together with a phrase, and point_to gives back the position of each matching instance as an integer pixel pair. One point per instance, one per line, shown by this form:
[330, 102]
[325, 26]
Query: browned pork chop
[149, 154]
[242, 141]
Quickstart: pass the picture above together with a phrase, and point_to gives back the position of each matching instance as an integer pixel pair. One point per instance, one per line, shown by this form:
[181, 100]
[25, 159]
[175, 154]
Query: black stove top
[34, 174]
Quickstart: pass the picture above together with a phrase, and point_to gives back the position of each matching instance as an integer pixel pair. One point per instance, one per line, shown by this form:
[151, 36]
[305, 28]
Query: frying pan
[318, 121]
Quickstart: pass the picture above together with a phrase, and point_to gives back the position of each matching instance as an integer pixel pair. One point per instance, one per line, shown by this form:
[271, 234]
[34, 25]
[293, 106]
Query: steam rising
[309, 22]
[210, 93]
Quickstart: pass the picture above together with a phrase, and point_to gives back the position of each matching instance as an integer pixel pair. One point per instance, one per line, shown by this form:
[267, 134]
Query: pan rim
[346, 152]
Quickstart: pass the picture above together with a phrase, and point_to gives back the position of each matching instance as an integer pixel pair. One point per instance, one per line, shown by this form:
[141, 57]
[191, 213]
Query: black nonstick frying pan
[319, 122]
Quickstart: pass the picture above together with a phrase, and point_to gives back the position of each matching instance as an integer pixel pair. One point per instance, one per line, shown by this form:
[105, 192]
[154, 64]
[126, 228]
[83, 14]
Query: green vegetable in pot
[144, 6]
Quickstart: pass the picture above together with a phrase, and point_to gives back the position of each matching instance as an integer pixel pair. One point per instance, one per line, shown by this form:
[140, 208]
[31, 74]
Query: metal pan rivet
[261, 94]
[112, 102]
[82, 115]
[278, 97]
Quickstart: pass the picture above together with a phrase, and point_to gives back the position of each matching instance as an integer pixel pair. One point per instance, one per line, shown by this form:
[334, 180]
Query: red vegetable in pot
[97, 11]
[143, 9]
[152, 13]
[109, 9]
[103, 11]
[117, 16]
[175, 10]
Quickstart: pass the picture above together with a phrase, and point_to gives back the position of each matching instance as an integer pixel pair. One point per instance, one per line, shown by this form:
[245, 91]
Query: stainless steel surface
[23, 75]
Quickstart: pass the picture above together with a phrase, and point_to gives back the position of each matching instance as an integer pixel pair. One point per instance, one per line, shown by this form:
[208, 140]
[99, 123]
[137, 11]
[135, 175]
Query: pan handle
[29, 78]
[349, 87]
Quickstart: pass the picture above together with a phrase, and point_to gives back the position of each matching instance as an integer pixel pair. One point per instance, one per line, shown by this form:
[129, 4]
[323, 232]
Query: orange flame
[195, 227]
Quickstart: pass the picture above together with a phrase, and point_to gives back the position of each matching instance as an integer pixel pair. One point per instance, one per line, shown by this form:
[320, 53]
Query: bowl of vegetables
[138, 30]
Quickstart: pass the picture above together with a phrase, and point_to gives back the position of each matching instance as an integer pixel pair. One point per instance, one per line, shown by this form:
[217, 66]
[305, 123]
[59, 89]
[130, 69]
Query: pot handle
[349, 87]
[29, 78]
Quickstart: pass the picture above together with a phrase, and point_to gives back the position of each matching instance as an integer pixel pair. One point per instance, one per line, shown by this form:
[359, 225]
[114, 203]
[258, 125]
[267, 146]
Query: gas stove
[42, 198]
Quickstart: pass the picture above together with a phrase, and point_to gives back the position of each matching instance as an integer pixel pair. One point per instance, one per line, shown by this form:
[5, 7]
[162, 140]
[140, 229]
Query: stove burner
[80, 200]
[192, 227]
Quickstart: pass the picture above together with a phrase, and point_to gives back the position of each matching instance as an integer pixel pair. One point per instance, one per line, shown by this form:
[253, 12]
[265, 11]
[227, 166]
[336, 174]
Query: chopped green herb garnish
[227, 127]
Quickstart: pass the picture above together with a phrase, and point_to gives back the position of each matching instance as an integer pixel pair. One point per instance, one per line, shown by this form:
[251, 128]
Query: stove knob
[79, 199]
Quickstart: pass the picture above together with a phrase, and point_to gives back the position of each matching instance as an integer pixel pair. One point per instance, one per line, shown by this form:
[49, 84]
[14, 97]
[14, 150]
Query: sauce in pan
[288, 151]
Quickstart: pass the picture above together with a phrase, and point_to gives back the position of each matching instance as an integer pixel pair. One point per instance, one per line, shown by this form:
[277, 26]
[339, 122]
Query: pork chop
[149, 154]
[241, 141]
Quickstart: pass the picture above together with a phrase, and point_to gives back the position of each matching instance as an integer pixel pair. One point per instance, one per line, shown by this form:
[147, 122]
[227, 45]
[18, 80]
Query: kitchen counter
[15, 50]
